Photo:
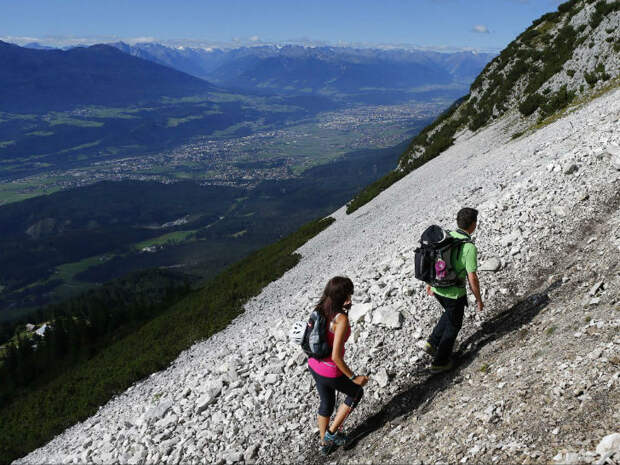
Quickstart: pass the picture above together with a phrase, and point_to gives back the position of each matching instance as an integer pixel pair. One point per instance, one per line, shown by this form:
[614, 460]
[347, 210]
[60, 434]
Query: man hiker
[453, 299]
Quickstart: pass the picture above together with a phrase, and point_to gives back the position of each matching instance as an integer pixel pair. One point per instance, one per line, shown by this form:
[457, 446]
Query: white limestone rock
[610, 443]
[156, 413]
[358, 312]
[491, 264]
[387, 317]
[204, 401]
[382, 378]
[614, 153]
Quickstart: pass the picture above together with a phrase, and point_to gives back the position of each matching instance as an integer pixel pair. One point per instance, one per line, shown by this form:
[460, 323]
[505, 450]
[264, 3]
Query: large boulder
[213, 387]
[491, 264]
[358, 312]
[609, 444]
[387, 317]
[158, 412]
[204, 401]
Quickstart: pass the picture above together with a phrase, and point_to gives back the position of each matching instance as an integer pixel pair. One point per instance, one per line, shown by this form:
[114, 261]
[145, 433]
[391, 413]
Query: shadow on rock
[419, 395]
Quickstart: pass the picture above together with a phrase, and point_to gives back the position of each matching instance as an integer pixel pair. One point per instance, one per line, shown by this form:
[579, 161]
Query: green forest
[93, 354]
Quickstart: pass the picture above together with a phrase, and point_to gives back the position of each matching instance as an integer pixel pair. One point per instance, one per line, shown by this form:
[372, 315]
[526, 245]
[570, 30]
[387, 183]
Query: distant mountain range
[36, 78]
[43, 80]
[328, 70]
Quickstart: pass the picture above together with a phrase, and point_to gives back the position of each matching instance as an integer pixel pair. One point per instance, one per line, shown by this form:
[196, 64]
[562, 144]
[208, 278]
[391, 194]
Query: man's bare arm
[474, 284]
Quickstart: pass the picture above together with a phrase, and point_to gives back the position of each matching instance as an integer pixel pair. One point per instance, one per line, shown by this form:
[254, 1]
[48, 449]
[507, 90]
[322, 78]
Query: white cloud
[254, 38]
[481, 29]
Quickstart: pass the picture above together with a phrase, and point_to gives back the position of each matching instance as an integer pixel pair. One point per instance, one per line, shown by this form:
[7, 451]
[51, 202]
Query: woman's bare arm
[340, 327]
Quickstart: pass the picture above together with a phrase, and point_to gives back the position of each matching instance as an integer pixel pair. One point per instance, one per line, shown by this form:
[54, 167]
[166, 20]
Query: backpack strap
[461, 243]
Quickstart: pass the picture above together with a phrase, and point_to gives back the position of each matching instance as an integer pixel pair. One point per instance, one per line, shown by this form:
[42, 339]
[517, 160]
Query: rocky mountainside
[538, 372]
[43, 80]
[563, 57]
[538, 375]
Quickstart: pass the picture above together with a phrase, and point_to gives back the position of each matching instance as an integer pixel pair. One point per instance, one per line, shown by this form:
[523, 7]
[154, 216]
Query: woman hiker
[332, 373]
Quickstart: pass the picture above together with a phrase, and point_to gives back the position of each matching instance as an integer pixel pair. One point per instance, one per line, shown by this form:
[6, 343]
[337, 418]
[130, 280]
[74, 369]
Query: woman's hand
[361, 380]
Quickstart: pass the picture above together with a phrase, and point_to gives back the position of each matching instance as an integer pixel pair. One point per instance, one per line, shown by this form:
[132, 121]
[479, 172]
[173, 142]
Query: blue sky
[477, 24]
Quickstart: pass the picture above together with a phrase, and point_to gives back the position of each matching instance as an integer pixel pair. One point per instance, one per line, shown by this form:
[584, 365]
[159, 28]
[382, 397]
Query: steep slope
[43, 80]
[562, 59]
[563, 56]
[245, 394]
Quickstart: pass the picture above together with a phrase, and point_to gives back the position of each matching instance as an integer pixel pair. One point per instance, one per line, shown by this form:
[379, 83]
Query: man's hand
[474, 284]
[429, 291]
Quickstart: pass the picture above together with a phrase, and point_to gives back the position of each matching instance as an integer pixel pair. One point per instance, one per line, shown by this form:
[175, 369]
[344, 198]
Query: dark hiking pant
[327, 388]
[447, 328]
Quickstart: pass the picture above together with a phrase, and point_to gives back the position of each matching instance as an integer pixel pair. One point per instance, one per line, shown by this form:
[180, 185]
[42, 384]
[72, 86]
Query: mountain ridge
[36, 80]
[287, 68]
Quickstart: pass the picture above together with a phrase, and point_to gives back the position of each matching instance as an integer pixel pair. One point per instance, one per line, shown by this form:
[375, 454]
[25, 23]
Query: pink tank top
[326, 366]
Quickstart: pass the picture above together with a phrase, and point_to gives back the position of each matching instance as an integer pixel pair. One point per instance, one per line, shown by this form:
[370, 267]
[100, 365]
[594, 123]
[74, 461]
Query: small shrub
[550, 330]
[570, 72]
[528, 35]
[602, 9]
[617, 47]
[591, 78]
[557, 101]
[531, 104]
[484, 368]
[479, 120]
[516, 135]
[582, 28]
[567, 6]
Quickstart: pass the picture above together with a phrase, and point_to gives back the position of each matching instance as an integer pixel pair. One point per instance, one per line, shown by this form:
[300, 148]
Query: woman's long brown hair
[336, 293]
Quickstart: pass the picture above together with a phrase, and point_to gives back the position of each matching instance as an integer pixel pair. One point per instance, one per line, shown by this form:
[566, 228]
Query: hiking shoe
[327, 447]
[338, 438]
[441, 368]
[430, 349]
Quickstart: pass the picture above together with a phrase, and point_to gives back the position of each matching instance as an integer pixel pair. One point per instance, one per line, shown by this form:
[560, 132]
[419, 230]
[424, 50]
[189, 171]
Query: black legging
[327, 388]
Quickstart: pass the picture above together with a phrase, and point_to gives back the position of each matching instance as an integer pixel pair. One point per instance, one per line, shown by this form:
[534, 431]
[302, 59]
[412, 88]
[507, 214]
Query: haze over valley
[274, 136]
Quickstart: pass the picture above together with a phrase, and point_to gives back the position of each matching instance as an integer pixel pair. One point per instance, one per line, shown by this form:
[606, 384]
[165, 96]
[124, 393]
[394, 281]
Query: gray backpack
[314, 342]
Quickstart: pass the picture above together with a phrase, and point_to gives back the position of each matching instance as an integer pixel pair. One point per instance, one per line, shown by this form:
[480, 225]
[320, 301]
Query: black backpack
[314, 342]
[433, 259]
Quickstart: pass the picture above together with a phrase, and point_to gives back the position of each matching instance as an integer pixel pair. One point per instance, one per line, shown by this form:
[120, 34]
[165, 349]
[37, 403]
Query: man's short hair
[466, 217]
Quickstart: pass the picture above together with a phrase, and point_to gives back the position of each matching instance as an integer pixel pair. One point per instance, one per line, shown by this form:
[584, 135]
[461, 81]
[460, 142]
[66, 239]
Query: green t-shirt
[464, 262]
